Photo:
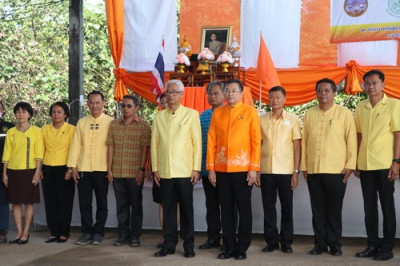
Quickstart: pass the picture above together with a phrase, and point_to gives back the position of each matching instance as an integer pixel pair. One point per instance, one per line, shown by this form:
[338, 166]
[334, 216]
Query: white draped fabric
[146, 23]
[279, 22]
[373, 53]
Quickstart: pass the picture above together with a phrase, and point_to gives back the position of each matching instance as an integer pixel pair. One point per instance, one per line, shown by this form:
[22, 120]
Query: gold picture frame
[224, 35]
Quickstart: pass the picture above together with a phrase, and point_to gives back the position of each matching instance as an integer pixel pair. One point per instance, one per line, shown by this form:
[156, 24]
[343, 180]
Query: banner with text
[364, 20]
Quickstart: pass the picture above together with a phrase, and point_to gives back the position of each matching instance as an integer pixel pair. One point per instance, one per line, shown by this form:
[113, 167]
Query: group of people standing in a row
[230, 147]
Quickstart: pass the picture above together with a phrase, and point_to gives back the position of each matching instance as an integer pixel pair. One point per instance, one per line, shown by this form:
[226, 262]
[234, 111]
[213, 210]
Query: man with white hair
[176, 162]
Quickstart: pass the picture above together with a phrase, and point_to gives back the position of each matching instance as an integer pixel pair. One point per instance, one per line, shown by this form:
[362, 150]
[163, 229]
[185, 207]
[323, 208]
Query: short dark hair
[133, 98]
[213, 84]
[234, 81]
[375, 72]
[278, 88]
[163, 95]
[63, 105]
[24, 106]
[96, 93]
[326, 80]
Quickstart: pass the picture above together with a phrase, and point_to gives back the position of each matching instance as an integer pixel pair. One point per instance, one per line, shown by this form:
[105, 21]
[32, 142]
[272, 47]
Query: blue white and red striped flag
[157, 77]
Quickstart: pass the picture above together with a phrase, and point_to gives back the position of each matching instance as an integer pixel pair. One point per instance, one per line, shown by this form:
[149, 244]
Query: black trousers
[173, 191]
[271, 185]
[213, 214]
[233, 190]
[374, 183]
[89, 182]
[58, 196]
[326, 195]
[129, 207]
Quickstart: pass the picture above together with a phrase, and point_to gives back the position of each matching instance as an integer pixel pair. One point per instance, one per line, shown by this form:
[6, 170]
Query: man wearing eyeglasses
[233, 158]
[128, 141]
[329, 153]
[88, 162]
[378, 134]
[176, 163]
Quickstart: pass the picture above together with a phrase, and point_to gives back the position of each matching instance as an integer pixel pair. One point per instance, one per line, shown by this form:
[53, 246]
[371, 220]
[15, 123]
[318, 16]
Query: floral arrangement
[181, 59]
[206, 54]
[225, 57]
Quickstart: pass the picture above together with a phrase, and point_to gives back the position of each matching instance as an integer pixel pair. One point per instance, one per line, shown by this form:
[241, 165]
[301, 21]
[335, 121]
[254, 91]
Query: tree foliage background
[34, 55]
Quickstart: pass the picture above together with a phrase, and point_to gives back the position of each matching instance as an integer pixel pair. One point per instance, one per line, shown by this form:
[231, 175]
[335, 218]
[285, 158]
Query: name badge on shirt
[286, 122]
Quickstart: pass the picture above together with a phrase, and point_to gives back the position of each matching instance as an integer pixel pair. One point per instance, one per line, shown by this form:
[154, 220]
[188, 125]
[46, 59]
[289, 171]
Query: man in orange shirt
[233, 157]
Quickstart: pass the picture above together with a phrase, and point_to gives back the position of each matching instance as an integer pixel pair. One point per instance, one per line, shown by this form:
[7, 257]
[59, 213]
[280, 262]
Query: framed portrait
[216, 38]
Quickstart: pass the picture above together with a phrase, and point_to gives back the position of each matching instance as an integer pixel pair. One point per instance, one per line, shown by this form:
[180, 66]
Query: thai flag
[157, 77]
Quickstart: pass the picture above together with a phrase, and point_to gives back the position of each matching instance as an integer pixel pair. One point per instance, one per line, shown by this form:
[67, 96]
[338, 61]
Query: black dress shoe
[62, 240]
[318, 250]
[270, 248]
[367, 253]
[336, 251]
[226, 255]
[23, 242]
[210, 243]
[164, 252]
[286, 249]
[189, 253]
[384, 255]
[51, 240]
[241, 255]
[14, 241]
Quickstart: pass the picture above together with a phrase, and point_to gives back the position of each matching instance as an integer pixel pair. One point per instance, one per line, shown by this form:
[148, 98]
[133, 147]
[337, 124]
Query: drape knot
[352, 84]
[119, 73]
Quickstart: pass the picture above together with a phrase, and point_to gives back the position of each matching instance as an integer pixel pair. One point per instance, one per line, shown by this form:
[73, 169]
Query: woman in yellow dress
[22, 157]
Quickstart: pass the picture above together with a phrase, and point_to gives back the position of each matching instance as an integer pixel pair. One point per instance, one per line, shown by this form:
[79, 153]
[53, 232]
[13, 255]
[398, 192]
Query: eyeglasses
[374, 84]
[232, 92]
[129, 106]
[214, 94]
[172, 92]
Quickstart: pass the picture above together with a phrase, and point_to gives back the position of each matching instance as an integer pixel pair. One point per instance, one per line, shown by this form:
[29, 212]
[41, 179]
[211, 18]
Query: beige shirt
[277, 154]
[176, 143]
[376, 125]
[329, 141]
[88, 152]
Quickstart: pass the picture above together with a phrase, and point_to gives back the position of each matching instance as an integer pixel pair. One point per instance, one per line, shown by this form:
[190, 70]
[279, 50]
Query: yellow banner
[364, 20]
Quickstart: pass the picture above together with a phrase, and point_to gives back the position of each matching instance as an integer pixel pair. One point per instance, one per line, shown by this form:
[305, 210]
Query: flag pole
[260, 86]
[259, 105]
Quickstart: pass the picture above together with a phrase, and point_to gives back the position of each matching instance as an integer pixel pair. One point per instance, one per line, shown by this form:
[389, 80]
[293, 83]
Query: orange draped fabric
[115, 22]
[300, 83]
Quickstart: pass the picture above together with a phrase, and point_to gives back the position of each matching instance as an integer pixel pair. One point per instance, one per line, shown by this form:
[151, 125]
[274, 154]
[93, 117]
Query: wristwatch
[296, 171]
[142, 169]
[70, 170]
[396, 160]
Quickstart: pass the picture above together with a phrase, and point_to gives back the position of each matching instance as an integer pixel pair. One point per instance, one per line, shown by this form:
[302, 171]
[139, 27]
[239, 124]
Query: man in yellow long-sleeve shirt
[329, 154]
[176, 162]
[88, 162]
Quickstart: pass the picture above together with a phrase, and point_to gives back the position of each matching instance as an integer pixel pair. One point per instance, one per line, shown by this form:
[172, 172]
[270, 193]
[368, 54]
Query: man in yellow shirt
[176, 163]
[329, 153]
[280, 164]
[378, 133]
[88, 162]
[233, 158]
